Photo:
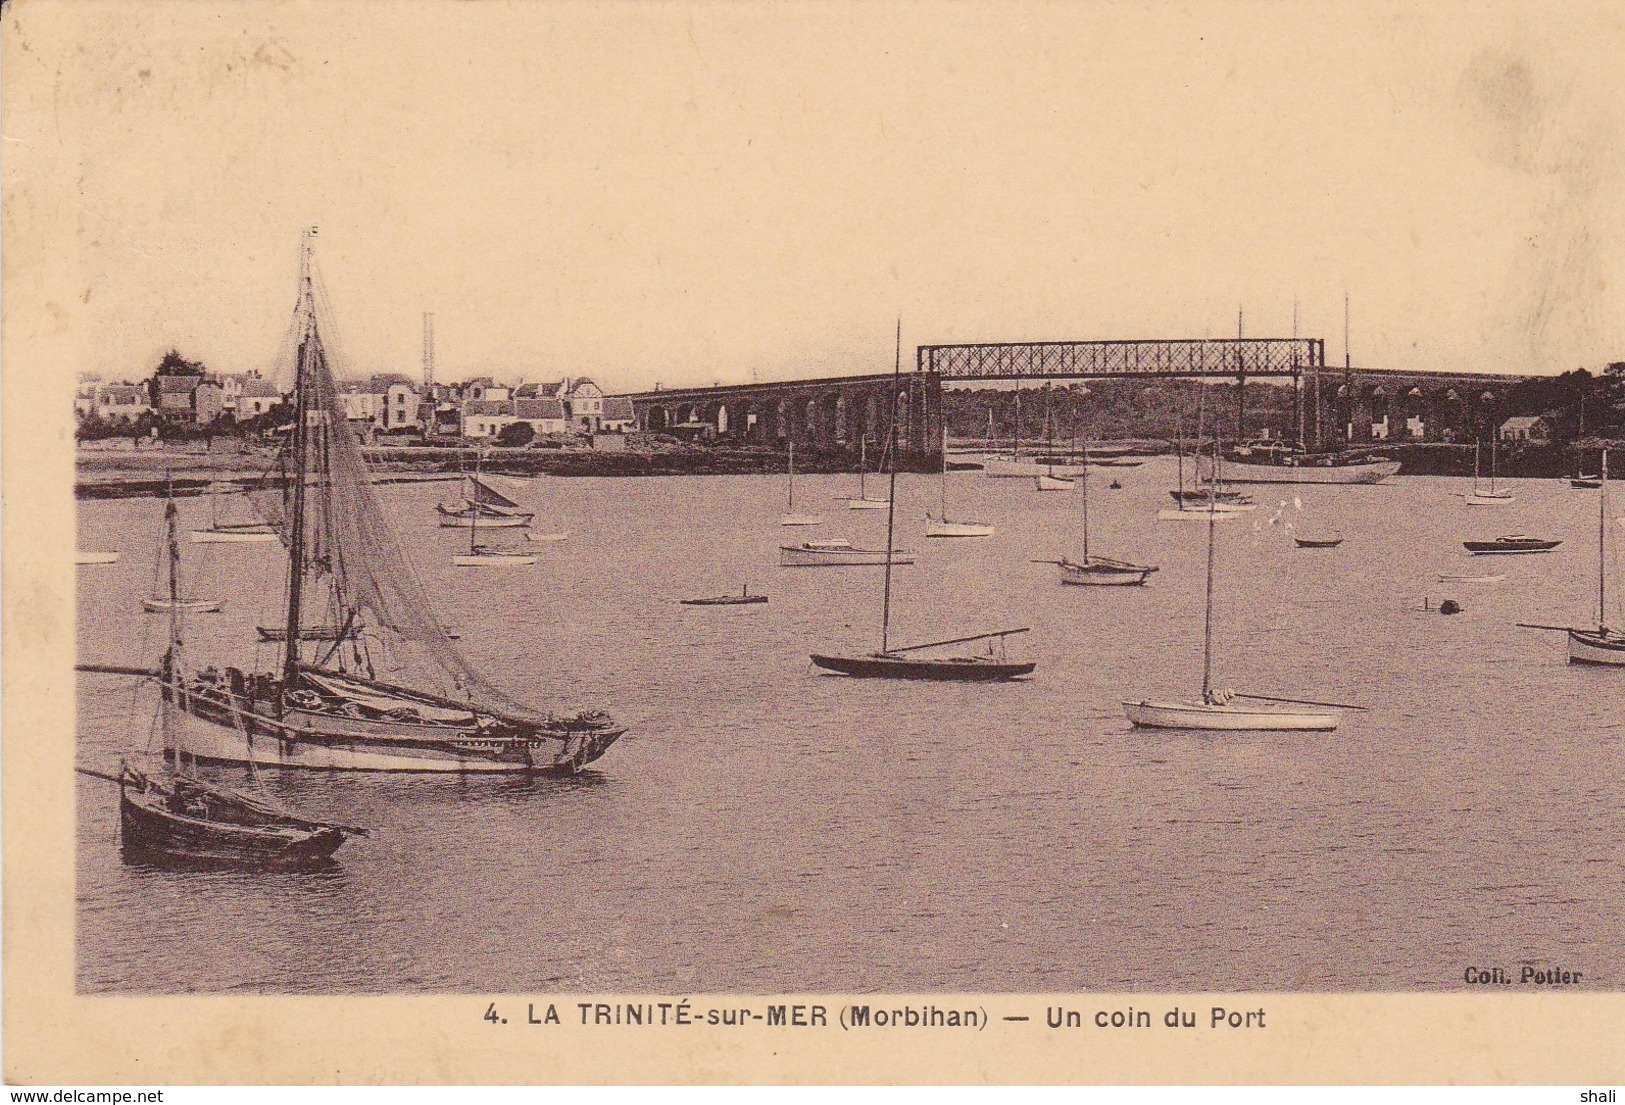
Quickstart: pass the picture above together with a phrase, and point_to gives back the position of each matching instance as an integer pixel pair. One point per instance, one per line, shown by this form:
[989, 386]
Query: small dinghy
[1318, 542]
[836, 553]
[1470, 579]
[1512, 543]
[744, 598]
[481, 557]
[95, 558]
[1047, 482]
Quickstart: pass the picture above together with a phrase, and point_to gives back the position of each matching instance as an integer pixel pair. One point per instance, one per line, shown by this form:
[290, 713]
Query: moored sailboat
[1491, 495]
[904, 663]
[791, 518]
[222, 532]
[326, 708]
[940, 525]
[864, 501]
[171, 816]
[483, 506]
[485, 556]
[1093, 570]
[1215, 709]
[1602, 645]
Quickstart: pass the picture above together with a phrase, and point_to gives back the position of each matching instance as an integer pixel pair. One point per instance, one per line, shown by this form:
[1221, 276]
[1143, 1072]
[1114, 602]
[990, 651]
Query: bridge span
[1347, 405]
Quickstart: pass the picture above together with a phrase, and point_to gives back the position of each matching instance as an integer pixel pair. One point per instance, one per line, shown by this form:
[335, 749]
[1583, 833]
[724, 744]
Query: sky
[690, 193]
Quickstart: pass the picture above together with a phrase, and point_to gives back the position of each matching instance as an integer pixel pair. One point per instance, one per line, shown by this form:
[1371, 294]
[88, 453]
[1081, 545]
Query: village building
[121, 402]
[1530, 429]
[172, 397]
[254, 397]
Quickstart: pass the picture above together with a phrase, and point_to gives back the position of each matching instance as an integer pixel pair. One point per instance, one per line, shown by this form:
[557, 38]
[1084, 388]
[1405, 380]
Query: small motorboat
[744, 598]
[1318, 542]
[1470, 579]
[1201, 497]
[1115, 486]
[1512, 543]
[82, 557]
[1048, 482]
[189, 606]
[836, 553]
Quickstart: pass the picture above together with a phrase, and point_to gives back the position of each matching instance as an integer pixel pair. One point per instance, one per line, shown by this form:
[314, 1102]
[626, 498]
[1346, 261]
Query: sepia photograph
[926, 514]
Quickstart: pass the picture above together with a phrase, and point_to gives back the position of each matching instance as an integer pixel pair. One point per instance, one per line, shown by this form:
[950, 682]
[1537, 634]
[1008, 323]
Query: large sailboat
[327, 708]
[905, 662]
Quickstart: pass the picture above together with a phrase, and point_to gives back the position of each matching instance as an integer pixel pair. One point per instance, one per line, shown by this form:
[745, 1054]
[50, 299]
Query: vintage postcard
[889, 543]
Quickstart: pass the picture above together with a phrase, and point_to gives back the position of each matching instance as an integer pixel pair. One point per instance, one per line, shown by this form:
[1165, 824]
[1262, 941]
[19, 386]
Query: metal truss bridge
[1096, 359]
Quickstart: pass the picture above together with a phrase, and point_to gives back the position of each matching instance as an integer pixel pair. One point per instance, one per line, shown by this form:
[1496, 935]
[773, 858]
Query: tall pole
[428, 350]
[308, 351]
[891, 497]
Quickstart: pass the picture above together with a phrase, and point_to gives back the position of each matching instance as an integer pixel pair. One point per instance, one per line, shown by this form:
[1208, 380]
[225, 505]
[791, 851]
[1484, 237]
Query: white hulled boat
[940, 525]
[791, 518]
[326, 708]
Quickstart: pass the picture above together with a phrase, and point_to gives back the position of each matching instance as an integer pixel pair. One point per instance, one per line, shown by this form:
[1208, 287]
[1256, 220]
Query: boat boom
[962, 640]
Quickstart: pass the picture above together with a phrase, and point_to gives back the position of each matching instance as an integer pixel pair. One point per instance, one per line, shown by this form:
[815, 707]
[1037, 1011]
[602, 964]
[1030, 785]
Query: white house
[618, 415]
[254, 397]
[484, 418]
[126, 402]
[546, 416]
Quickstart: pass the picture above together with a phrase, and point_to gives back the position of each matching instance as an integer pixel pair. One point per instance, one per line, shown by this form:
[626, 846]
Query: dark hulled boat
[183, 820]
[957, 669]
[891, 663]
[1513, 543]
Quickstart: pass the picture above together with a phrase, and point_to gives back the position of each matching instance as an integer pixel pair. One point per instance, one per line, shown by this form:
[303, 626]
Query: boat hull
[959, 670]
[327, 742]
[1318, 543]
[1055, 483]
[190, 606]
[1096, 574]
[867, 504]
[1176, 515]
[942, 527]
[725, 600]
[1476, 499]
[1196, 715]
[150, 832]
[1006, 468]
[95, 558]
[499, 521]
[799, 556]
[800, 520]
[1600, 647]
[493, 560]
[232, 537]
[1503, 548]
[1238, 471]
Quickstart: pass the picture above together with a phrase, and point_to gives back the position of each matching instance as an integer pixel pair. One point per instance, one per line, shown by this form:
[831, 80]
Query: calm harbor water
[765, 828]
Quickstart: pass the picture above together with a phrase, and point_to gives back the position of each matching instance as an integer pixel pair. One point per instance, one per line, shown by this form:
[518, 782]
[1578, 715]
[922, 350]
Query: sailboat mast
[944, 507]
[1083, 481]
[166, 699]
[1602, 546]
[863, 467]
[1207, 619]
[792, 506]
[891, 493]
[473, 502]
[301, 446]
